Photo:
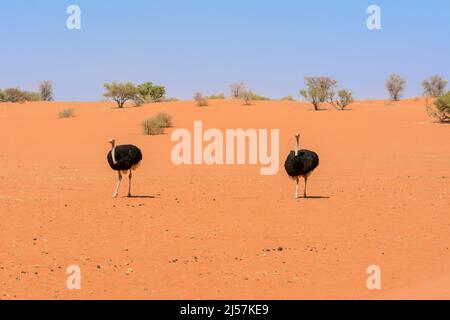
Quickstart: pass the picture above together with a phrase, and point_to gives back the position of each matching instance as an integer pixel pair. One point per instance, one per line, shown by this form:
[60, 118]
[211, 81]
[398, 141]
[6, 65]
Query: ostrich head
[112, 142]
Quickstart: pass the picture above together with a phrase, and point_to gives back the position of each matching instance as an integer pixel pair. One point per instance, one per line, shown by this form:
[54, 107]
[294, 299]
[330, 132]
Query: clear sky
[190, 45]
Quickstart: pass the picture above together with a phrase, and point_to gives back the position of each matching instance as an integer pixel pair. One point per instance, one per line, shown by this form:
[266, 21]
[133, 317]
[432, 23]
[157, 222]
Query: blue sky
[190, 45]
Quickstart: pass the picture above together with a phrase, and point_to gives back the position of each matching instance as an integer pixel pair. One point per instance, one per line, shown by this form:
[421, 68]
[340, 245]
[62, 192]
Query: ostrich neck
[113, 154]
[297, 147]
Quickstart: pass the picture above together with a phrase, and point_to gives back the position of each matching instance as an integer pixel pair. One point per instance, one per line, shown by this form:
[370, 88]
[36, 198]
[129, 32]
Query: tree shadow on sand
[314, 197]
[141, 197]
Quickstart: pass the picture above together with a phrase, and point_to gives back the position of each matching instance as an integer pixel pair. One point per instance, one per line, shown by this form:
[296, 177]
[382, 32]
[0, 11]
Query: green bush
[148, 92]
[67, 113]
[201, 100]
[2, 96]
[440, 110]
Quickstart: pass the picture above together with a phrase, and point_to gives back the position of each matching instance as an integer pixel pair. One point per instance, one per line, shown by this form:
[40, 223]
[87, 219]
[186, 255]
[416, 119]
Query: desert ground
[381, 197]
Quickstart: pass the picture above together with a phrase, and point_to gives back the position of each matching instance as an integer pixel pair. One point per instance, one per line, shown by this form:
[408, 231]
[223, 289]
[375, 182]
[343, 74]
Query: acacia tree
[434, 86]
[237, 89]
[120, 92]
[46, 91]
[395, 86]
[318, 90]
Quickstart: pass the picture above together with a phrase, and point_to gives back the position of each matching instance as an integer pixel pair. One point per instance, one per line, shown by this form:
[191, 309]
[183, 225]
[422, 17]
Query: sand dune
[381, 193]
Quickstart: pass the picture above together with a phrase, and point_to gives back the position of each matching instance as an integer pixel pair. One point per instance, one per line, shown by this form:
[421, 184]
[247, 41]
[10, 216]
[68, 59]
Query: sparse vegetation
[67, 113]
[173, 99]
[219, 96]
[434, 86]
[247, 97]
[440, 109]
[202, 101]
[395, 86]
[46, 91]
[120, 92]
[14, 95]
[288, 98]
[344, 99]
[165, 118]
[237, 89]
[318, 90]
[32, 96]
[257, 97]
[153, 126]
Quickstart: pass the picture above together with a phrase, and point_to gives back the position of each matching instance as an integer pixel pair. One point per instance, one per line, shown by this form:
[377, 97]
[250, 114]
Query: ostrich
[124, 159]
[301, 163]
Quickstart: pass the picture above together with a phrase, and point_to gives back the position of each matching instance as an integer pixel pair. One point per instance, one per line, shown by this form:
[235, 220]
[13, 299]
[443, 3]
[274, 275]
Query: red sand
[384, 183]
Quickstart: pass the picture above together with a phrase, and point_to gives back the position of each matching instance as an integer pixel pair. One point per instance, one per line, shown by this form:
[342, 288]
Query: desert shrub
[201, 100]
[148, 92]
[318, 90]
[67, 113]
[32, 96]
[153, 126]
[165, 118]
[440, 109]
[288, 98]
[120, 92]
[219, 96]
[395, 86]
[237, 89]
[173, 99]
[434, 86]
[46, 91]
[257, 97]
[2, 96]
[344, 99]
[14, 95]
[247, 97]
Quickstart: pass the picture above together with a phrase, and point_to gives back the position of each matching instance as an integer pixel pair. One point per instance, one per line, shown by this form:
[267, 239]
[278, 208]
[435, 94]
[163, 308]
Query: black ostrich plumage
[126, 156]
[303, 164]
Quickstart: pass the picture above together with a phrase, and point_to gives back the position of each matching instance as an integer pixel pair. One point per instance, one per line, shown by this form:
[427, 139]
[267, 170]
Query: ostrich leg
[130, 174]
[296, 187]
[116, 192]
[306, 182]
